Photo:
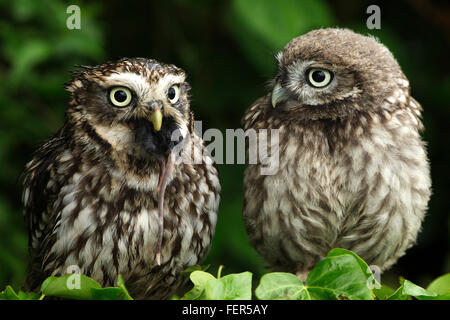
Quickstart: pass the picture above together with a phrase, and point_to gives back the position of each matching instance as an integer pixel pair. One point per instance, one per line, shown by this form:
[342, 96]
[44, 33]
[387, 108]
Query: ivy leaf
[342, 275]
[342, 272]
[398, 294]
[10, 294]
[214, 290]
[81, 287]
[281, 286]
[383, 293]
[199, 279]
[441, 285]
[70, 286]
[237, 286]
[409, 289]
[121, 285]
[362, 264]
[230, 287]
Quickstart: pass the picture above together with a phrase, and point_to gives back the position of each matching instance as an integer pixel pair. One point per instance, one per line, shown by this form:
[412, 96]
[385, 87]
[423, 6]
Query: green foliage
[71, 286]
[342, 275]
[64, 287]
[264, 27]
[439, 289]
[441, 285]
[227, 48]
[230, 287]
[36, 54]
[10, 294]
[81, 287]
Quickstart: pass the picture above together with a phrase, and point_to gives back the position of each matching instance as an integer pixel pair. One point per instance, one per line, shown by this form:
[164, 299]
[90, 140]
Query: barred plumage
[91, 191]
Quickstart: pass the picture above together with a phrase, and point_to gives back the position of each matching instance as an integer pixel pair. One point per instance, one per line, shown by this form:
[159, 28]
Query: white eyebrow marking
[131, 80]
[170, 79]
[140, 85]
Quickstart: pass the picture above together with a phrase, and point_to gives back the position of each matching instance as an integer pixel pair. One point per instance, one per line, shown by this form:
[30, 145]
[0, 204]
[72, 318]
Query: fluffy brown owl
[353, 171]
[115, 190]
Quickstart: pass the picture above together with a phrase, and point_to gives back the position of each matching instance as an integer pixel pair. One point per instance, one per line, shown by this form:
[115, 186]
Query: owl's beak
[279, 94]
[156, 114]
[156, 119]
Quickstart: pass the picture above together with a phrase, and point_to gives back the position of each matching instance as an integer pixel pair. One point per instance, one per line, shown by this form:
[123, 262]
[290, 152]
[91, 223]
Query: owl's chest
[108, 222]
[319, 173]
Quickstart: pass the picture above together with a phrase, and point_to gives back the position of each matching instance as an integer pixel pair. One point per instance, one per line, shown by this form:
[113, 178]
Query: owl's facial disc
[315, 78]
[155, 108]
[310, 77]
[305, 82]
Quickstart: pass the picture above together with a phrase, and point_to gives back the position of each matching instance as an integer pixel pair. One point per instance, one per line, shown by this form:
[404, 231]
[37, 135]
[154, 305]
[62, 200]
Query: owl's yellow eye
[173, 93]
[120, 96]
[318, 78]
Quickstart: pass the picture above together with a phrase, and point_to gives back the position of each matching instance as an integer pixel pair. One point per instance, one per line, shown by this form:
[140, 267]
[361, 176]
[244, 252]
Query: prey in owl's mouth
[160, 145]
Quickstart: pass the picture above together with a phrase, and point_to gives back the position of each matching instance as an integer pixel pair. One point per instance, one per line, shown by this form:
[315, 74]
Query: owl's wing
[40, 188]
[416, 113]
[256, 112]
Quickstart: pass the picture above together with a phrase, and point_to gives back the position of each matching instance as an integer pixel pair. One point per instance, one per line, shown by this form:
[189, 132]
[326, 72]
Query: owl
[115, 190]
[352, 169]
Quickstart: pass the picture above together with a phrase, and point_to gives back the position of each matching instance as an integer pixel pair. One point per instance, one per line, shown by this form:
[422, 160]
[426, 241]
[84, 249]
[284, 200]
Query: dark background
[227, 49]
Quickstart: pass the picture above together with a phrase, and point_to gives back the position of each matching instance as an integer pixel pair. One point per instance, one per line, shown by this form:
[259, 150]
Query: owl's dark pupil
[171, 93]
[318, 76]
[120, 96]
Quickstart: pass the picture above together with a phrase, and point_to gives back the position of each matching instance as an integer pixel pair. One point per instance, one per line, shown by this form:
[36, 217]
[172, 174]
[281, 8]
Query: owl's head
[332, 73]
[134, 105]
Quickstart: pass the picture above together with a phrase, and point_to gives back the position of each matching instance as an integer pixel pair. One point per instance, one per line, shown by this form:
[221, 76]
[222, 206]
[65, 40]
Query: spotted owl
[352, 170]
[115, 190]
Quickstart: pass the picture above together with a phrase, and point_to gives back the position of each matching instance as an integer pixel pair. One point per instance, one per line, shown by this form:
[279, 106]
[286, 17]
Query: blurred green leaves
[36, 55]
[10, 294]
[264, 27]
[73, 287]
[36, 34]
